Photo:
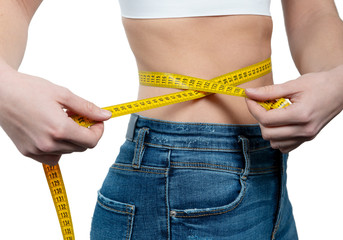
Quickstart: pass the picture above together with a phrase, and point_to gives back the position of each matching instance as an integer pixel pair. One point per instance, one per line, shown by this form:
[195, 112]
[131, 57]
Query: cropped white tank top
[192, 8]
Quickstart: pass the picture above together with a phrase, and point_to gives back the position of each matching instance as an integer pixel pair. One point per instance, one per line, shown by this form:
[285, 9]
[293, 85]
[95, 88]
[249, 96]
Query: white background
[81, 45]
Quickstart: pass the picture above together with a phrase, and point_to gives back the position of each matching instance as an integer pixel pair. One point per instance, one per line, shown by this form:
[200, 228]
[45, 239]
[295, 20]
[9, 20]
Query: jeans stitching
[136, 170]
[134, 155]
[208, 168]
[251, 172]
[141, 149]
[218, 165]
[132, 222]
[112, 209]
[224, 166]
[277, 226]
[279, 215]
[128, 227]
[188, 148]
[144, 167]
[246, 156]
[167, 205]
[138, 148]
[219, 212]
[205, 149]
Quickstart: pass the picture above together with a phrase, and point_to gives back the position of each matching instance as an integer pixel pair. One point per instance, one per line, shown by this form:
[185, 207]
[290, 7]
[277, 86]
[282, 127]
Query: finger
[255, 109]
[289, 149]
[60, 147]
[284, 133]
[271, 92]
[69, 113]
[285, 146]
[84, 137]
[48, 159]
[84, 108]
[275, 117]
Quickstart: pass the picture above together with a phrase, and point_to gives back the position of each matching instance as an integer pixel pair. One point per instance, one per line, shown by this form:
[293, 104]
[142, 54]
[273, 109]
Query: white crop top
[192, 8]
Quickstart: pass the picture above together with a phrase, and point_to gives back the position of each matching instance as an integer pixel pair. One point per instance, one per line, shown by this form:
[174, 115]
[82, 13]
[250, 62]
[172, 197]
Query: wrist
[336, 75]
[4, 66]
[6, 78]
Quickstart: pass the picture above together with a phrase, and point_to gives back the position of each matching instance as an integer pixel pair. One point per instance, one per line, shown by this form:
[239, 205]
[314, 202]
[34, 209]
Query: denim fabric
[194, 181]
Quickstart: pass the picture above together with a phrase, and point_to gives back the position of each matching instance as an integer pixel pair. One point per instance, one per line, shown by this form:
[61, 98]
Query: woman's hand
[316, 99]
[33, 114]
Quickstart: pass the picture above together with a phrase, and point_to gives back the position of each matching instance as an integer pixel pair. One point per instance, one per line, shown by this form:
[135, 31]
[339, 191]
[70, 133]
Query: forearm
[315, 34]
[316, 40]
[15, 17]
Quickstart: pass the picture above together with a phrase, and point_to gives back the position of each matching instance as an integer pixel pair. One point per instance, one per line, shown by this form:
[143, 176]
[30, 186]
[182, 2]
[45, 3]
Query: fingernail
[106, 113]
[251, 90]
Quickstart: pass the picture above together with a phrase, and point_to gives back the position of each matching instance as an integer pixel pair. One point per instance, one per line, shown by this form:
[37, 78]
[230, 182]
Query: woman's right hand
[33, 113]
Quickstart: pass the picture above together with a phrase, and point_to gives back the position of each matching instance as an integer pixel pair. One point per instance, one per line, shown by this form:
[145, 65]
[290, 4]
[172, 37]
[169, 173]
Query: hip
[193, 181]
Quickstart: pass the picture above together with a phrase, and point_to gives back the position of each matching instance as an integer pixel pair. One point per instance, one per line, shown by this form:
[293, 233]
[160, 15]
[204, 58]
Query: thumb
[84, 108]
[270, 92]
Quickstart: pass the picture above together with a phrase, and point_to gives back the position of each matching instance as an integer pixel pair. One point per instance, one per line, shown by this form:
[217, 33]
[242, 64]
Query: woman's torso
[203, 47]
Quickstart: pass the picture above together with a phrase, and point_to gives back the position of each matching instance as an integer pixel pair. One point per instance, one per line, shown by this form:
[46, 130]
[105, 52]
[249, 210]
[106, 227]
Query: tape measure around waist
[194, 88]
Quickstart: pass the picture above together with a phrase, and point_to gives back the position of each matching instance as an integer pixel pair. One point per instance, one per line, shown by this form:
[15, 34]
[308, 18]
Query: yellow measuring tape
[59, 195]
[194, 88]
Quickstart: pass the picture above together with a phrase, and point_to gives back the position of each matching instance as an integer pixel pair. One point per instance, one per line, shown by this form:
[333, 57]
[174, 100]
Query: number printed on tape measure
[59, 195]
[55, 183]
[63, 214]
[197, 88]
[58, 190]
[194, 88]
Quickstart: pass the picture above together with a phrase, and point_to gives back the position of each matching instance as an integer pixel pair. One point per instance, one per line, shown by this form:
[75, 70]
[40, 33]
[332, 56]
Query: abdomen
[203, 47]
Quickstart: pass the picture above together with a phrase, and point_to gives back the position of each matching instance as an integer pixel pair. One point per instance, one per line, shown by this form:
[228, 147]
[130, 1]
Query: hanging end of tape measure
[59, 195]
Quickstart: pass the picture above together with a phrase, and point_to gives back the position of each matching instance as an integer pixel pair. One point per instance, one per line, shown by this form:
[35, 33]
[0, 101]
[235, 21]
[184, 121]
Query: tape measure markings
[196, 88]
[234, 78]
[142, 105]
[59, 195]
[223, 84]
[168, 81]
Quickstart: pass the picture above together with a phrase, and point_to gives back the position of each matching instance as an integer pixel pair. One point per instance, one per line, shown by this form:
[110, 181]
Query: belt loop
[139, 149]
[246, 154]
[131, 127]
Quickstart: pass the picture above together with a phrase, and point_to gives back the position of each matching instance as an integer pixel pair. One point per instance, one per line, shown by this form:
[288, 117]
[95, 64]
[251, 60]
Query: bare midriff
[203, 47]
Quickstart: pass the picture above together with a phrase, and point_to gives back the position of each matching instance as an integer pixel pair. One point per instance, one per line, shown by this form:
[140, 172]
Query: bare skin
[203, 47]
[33, 109]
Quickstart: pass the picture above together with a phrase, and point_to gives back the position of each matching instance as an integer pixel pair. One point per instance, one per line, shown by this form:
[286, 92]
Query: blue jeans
[194, 181]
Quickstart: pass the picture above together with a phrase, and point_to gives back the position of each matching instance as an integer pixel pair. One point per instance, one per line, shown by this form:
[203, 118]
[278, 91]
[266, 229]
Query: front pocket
[112, 219]
[200, 193]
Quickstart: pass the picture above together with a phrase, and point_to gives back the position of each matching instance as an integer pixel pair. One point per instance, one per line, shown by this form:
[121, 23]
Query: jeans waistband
[199, 136]
[223, 146]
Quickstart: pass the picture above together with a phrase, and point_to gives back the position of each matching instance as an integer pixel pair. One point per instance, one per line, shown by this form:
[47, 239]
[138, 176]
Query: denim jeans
[194, 181]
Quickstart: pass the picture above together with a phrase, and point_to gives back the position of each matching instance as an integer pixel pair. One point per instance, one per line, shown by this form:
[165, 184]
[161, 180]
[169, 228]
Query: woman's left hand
[316, 99]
